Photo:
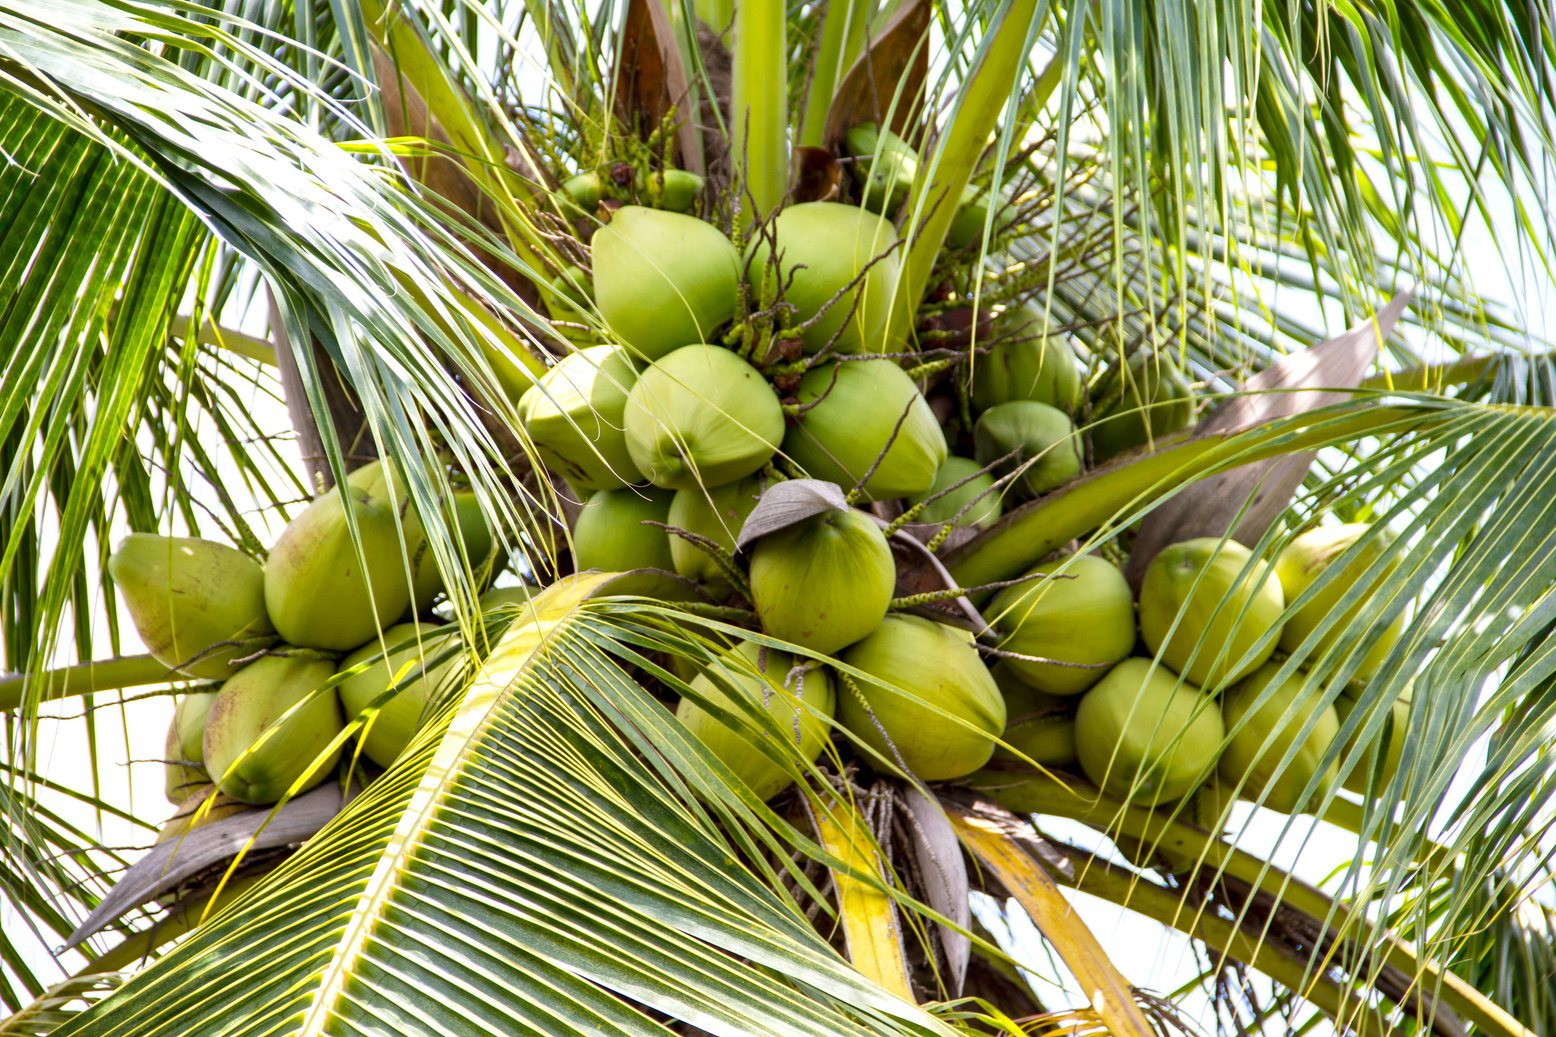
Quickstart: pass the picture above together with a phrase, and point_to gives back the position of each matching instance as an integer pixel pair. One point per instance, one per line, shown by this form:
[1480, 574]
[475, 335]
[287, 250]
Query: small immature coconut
[1367, 769]
[856, 410]
[1264, 740]
[1138, 403]
[800, 704]
[1035, 438]
[884, 167]
[663, 280]
[716, 513]
[1146, 737]
[976, 494]
[940, 668]
[574, 416]
[390, 730]
[611, 534]
[972, 217]
[184, 764]
[197, 604]
[702, 417]
[823, 249]
[1026, 364]
[1308, 557]
[250, 704]
[1039, 727]
[824, 582]
[1081, 611]
[1209, 611]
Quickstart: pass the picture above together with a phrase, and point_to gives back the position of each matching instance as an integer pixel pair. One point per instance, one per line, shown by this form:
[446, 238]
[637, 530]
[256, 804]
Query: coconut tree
[396, 219]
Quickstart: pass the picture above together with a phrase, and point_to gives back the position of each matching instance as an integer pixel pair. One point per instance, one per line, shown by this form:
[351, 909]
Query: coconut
[184, 763]
[1265, 759]
[409, 645]
[673, 189]
[975, 502]
[251, 703]
[320, 591]
[823, 582]
[1034, 438]
[574, 416]
[1026, 364]
[701, 417]
[1145, 736]
[196, 604]
[716, 514]
[929, 704]
[610, 534]
[1308, 557]
[1205, 616]
[751, 677]
[832, 257]
[663, 280]
[474, 535]
[884, 167]
[1137, 404]
[1081, 611]
[204, 805]
[1038, 727]
[855, 411]
[1367, 769]
[972, 217]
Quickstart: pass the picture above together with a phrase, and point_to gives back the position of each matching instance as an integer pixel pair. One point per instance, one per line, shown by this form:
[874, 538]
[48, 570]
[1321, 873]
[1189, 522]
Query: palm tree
[375, 212]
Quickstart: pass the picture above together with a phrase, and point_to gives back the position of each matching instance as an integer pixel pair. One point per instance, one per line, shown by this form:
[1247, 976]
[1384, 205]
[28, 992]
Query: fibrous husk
[319, 592]
[610, 534]
[1025, 363]
[184, 764]
[1265, 739]
[823, 582]
[824, 248]
[409, 646]
[976, 495]
[252, 702]
[1209, 611]
[1138, 403]
[717, 514]
[663, 280]
[947, 728]
[853, 411]
[1038, 727]
[1034, 438]
[197, 604]
[701, 417]
[1373, 766]
[1306, 558]
[799, 702]
[574, 416]
[1145, 736]
[1081, 611]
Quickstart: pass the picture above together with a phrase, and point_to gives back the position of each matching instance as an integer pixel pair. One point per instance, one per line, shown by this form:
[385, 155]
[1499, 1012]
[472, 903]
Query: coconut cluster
[1207, 699]
[271, 639]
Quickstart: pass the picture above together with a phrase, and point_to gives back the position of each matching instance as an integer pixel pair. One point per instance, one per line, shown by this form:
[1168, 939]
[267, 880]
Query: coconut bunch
[1152, 698]
[294, 648]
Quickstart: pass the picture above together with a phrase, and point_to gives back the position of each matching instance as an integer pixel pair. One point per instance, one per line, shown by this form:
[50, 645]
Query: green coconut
[972, 217]
[1265, 759]
[1207, 618]
[1367, 769]
[574, 416]
[824, 582]
[823, 249]
[752, 677]
[386, 734]
[673, 189]
[716, 514]
[1034, 438]
[1146, 737]
[884, 167]
[1024, 363]
[184, 764]
[1138, 403]
[702, 417]
[1311, 555]
[255, 701]
[853, 413]
[478, 547]
[1038, 726]
[975, 502]
[1081, 611]
[610, 534]
[929, 704]
[663, 280]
